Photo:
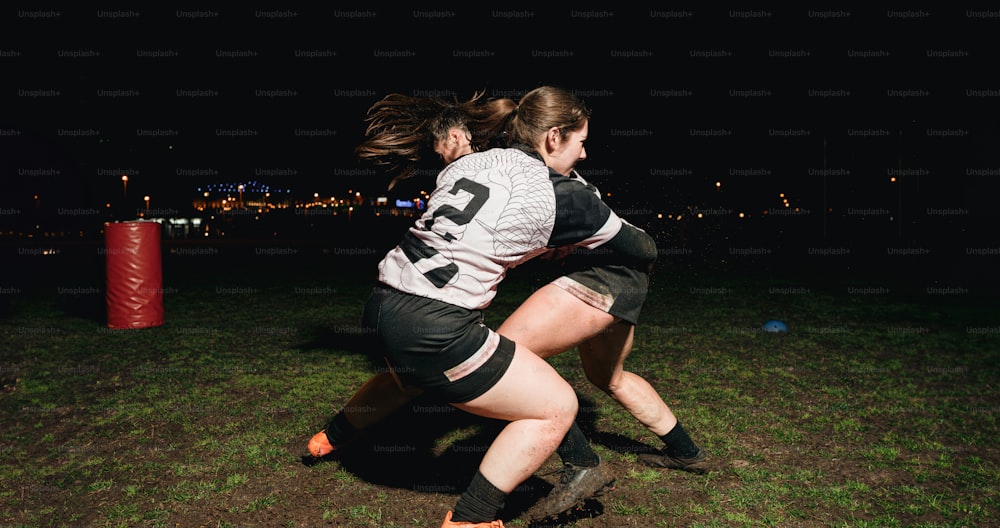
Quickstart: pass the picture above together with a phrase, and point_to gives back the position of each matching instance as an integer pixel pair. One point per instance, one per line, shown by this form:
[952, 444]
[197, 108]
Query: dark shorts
[444, 349]
[618, 290]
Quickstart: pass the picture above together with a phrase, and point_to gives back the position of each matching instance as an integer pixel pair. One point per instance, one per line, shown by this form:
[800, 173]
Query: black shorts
[444, 349]
[618, 290]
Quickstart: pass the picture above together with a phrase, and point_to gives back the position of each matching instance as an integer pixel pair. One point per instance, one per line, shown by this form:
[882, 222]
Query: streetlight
[125, 187]
[146, 199]
[240, 188]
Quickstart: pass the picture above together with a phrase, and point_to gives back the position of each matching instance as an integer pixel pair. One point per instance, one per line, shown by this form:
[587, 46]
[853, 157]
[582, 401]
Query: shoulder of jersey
[497, 157]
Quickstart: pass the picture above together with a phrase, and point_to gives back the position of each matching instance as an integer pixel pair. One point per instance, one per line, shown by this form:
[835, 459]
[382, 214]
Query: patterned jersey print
[489, 212]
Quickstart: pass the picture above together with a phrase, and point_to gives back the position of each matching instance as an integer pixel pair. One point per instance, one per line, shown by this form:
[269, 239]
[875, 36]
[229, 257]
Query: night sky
[825, 106]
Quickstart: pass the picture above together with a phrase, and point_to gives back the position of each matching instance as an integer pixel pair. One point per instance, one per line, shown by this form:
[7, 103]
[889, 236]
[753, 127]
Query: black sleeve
[631, 248]
[581, 218]
[637, 248]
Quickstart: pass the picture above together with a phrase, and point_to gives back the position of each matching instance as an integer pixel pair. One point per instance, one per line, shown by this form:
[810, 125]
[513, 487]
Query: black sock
[339, 430]
[678, 443]
[576, 450]
[480, 503]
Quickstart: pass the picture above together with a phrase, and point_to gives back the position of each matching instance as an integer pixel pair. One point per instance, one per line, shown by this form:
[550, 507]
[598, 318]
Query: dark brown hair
[402, 129]
[543, 108]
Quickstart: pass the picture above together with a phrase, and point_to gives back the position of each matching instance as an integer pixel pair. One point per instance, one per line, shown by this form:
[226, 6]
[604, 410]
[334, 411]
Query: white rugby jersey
[491, 211]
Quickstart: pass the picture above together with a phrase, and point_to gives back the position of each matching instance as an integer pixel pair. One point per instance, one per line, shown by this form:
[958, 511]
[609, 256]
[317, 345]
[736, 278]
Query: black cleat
[661, 459]
[576, 485]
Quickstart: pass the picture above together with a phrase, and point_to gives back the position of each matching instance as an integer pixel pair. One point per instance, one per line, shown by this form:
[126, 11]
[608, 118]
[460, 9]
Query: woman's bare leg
[540, 407]
[552, 321]
[377, 398]
[603, 358]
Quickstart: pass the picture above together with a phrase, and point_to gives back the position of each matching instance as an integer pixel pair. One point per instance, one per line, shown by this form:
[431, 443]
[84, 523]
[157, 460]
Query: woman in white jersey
[576, 221]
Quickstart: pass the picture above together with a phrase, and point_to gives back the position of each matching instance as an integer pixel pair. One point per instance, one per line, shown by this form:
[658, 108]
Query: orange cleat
[448, 523]
[319, 445]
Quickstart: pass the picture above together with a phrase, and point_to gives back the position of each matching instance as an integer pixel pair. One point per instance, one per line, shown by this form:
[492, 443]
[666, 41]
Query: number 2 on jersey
[415, 248]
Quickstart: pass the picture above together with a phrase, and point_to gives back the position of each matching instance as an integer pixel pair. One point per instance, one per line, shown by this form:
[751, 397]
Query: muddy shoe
[576, 484]
[696, 464]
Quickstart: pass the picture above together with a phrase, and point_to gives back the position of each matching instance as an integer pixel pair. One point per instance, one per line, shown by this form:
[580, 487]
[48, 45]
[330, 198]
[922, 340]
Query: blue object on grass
[775, 325]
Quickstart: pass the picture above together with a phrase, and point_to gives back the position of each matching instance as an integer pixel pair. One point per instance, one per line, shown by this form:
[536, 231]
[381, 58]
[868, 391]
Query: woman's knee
[563, 405]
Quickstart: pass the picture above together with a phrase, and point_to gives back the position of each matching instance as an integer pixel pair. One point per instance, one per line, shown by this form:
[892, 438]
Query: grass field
[878, 408]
